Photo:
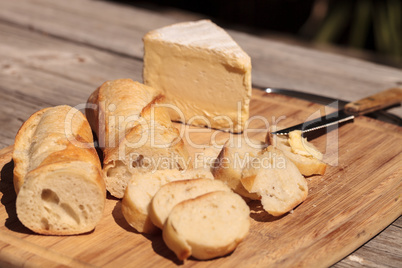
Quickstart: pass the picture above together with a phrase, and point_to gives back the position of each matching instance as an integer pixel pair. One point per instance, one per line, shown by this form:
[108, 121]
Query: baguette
[175, 192]
[153, 144]
[234, 156]
[208, 226]
[147, 142]
[277, 180]
[57, 173]
[302, 153]
[141, 189]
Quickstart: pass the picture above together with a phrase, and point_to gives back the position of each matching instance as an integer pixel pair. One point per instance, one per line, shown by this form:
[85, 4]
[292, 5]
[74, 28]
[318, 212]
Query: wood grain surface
[351, 203]
[58, 52]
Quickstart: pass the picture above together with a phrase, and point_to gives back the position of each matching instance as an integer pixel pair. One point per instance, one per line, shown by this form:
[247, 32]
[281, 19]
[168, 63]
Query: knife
[351, 110]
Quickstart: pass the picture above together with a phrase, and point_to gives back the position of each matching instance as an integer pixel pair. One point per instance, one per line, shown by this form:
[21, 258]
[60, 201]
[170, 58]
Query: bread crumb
[291, 212]
[314, 205]
[356, 259]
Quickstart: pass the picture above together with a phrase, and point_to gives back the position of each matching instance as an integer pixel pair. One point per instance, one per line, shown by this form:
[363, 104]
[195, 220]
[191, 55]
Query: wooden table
[57, 52]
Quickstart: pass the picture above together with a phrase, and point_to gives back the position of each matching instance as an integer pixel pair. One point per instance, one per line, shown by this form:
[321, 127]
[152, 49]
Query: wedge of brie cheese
[202, 71]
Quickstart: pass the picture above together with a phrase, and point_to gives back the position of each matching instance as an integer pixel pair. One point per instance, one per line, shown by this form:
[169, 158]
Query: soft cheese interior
[203, 73]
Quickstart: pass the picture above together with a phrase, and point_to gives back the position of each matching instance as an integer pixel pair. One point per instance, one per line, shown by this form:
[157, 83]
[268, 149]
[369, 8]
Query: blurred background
[367, 29]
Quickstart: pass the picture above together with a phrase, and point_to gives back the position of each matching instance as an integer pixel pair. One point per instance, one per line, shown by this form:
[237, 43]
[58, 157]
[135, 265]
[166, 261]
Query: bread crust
[51, 140]
[122, 98]
[126, 146]
[20, 162]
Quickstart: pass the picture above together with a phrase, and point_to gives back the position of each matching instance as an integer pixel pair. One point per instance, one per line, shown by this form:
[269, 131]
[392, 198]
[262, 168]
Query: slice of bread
[302, 153]
[234, 156]
[175, 192]
[141, 189]
[208, 226]
[277, 180]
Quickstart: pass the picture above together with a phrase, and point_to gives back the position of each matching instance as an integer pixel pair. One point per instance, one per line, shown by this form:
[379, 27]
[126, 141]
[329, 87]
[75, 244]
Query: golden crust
[19, 172]
[115, 100]
[82, 135]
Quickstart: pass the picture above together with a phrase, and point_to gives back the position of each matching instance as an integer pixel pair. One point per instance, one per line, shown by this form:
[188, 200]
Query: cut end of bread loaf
[277, 180]
[141, 189]
[302, 153]
[63, 201]
[208, 226]
[57, 173]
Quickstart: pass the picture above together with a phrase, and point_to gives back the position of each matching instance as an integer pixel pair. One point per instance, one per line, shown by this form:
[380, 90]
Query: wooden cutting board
[357, 197]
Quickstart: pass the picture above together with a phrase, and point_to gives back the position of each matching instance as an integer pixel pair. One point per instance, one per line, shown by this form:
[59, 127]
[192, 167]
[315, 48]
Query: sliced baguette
[57, 173]
[175, 192]
[277, 180]
[302, 153]
[141, 189]
[234, 156]
[134, 131]
[208, 226]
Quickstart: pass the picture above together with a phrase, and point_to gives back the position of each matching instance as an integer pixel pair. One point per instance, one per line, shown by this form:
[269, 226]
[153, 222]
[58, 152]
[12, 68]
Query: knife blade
[351, 110]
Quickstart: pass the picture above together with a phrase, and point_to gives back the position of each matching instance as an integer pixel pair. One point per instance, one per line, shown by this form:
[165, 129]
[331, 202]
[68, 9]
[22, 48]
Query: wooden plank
[111, 27]
[37, 71]
[388, 257]
[20, 48]
[341, 212]
[120, 29]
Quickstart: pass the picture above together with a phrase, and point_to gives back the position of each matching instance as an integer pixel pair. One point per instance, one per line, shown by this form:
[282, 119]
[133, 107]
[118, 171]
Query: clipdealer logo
[115, 132]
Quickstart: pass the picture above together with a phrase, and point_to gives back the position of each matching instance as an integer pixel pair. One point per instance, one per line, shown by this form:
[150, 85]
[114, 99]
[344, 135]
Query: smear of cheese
[202, 71]
[301, 146]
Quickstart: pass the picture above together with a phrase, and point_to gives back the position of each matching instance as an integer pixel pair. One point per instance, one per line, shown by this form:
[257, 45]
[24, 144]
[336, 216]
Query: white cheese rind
[202, 71]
